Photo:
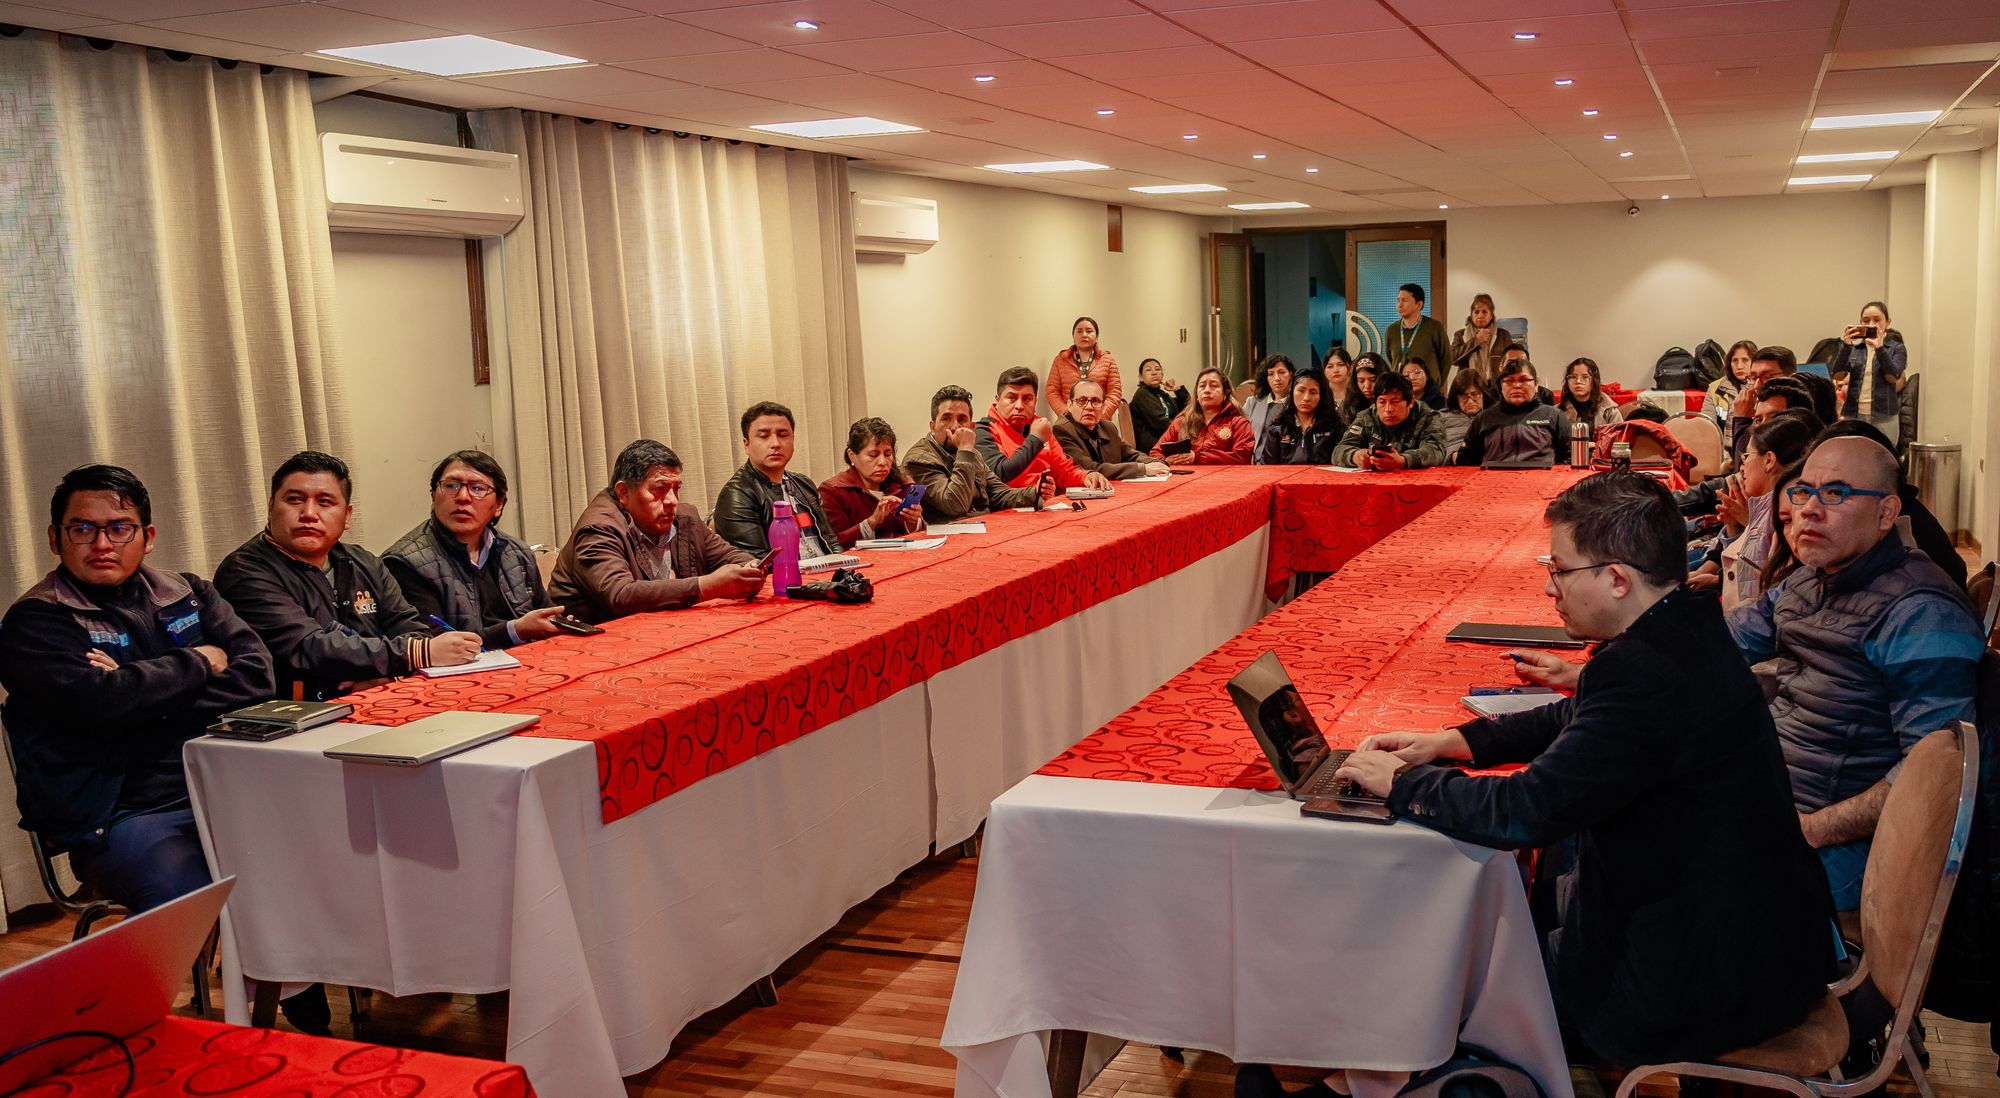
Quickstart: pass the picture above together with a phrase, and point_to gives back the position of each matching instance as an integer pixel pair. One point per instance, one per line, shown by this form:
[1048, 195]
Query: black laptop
[1297, 750]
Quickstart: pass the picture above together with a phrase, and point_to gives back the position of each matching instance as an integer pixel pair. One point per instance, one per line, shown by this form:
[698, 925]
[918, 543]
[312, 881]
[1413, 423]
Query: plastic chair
[1913, 865]
[1703, 439]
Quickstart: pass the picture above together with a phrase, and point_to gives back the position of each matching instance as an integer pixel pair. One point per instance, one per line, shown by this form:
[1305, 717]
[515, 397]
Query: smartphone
[1348, 808]
[764, 562]
[574, 626]
[912, 495]
[1868, 332]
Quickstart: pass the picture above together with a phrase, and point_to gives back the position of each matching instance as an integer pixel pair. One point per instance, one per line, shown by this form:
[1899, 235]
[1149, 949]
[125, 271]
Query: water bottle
[1579, 444]
[1621, 457]
[784, 537]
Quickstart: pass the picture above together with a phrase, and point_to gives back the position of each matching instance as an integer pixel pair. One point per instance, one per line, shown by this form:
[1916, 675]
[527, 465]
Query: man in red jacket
[1019, 446]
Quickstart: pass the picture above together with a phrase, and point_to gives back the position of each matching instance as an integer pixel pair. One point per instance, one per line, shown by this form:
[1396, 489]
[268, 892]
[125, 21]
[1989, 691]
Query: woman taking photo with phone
[866, 499]
[1870, 366]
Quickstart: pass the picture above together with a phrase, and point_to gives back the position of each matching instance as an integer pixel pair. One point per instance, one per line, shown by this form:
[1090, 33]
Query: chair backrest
[1913, 861]
[545, 563]
[1647, 448]
[1125, 421]
[69, 897]
[1243, 392]
[1980, 590]
[1703, 439]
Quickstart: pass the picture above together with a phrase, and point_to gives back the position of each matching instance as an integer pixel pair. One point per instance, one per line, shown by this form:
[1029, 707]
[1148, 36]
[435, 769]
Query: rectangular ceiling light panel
[824, 129]
[457, 55]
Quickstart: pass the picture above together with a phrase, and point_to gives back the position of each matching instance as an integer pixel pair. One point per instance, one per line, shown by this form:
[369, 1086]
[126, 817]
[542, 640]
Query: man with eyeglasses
[1875, 647]
[1692, 919]
[1094, 445]
[110, 665]
[458, 567]
[332, 616]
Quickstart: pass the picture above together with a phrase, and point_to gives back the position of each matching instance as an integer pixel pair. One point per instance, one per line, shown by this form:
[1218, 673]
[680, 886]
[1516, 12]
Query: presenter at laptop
[1692, 919]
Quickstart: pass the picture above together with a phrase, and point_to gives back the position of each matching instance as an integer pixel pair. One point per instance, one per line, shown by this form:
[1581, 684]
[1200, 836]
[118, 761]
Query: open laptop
[1294, 745]
[119, 980]
[431, 738]
[1514, 636]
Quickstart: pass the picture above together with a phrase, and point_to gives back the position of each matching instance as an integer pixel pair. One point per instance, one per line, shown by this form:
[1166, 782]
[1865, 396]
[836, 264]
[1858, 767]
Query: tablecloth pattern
[186, 1056]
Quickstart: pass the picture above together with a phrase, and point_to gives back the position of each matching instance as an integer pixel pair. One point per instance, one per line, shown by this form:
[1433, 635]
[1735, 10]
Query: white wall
[1011, 271]
[406, 337]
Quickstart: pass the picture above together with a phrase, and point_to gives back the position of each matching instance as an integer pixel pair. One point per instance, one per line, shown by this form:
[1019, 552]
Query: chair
[1980, 590]
[1907, 420]
[545, 562]
[1703, 439]
[1913, 865]
[1243, 392]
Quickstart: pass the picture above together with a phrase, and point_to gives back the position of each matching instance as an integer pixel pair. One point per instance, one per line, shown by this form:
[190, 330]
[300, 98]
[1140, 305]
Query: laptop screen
[1271, 705]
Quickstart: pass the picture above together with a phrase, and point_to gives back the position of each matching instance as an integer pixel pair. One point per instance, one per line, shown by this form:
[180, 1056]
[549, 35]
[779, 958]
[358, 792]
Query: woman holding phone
[1870, 367]
[871, 498]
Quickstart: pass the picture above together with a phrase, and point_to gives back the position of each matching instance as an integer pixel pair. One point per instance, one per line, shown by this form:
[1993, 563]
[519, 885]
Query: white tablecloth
[1220, 919]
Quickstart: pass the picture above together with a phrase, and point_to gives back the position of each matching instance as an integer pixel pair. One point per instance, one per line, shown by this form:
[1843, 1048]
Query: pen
[440, 623]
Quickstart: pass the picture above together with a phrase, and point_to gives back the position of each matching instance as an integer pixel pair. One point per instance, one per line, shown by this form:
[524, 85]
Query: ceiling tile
[450, 93]
[1006, 75]
[1338, 49]
[1719, 20]
[734, 67]
[646, 37]
[1437, 13]
[46, 18]
[1927, 88]
[1086, 37]
[839, 21]
[480, 16]
[578, 83]
[1886, 12]
[1554, 33]
[1338, 78]
[1568, 60]
[133, 11]
[969, 14]
[1905, 34]
[1292, 19]
[1783, 47]
[1112, 67]
[680, 101]
[299, 28]
[139, 35]
[912, 51]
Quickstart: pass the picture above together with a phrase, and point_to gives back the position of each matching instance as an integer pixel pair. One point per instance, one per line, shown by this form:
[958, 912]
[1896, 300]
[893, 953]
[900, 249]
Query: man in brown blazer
[1094, 444]
[635, 548]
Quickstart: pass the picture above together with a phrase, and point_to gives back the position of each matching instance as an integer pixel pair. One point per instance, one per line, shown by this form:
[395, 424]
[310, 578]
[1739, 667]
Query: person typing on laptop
[1690, 918]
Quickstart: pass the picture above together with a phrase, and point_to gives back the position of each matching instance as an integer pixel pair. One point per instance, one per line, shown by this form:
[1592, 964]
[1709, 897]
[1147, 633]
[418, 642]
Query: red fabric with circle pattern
[1366, 647]
[187, 1057]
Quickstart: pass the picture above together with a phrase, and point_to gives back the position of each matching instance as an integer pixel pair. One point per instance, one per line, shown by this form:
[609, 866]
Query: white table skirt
[1002, 715]
[1220, 919]
[494, 869]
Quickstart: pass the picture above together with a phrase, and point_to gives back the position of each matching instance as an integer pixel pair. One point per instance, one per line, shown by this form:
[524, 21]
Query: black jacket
[1516, 432]
[1284, 444]
[1152, 409]
[1698, 921]
[92, 746]
[743, 511]
[325, 639]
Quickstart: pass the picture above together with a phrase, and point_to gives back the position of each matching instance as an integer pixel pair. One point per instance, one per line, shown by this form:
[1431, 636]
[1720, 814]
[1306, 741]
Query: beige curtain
[656, 288]
[166, 289]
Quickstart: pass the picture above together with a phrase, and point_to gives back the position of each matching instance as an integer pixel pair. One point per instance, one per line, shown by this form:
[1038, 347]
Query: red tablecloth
[1366, 647]
[186, 1056]
[670, 698]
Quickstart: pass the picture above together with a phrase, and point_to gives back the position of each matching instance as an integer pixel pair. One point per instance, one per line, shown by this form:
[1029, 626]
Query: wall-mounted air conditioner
[377, 185]
[891, 225]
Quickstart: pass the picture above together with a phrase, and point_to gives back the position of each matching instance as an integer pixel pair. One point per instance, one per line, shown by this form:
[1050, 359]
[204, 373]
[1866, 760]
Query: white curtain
[166, 289]
[657, 287]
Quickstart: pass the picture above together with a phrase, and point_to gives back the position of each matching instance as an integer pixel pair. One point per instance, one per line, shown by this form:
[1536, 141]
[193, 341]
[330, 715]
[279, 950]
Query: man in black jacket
[1696, 920]
[331, 614]
[743, 508]
[111, 665]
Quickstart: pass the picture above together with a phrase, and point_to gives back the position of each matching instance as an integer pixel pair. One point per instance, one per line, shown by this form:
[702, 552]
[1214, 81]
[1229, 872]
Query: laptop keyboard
[1326, 785]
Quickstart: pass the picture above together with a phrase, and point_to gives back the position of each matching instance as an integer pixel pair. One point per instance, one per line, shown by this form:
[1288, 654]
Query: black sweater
[325, 638]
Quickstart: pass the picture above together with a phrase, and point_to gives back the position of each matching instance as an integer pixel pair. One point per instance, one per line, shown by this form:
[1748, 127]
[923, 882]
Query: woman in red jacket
[1083, 358]
[1219, 429]
[865, 499]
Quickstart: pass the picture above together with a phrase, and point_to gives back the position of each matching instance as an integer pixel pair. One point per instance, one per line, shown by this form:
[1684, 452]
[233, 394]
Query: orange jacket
[998, 444]
[1225, 440]
[1063, 376]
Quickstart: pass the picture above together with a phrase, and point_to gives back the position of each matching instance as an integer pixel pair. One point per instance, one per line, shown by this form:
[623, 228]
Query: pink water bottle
[784, 537]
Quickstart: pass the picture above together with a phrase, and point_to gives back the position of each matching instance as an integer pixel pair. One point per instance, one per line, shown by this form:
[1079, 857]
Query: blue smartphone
[912, 495]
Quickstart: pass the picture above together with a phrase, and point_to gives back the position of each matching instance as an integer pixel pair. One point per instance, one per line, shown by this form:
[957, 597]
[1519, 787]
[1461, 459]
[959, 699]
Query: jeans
[1844, 865]
[147, 859]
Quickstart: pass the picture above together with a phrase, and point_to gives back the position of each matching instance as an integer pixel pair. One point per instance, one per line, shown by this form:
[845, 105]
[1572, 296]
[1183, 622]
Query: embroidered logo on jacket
[364, 601]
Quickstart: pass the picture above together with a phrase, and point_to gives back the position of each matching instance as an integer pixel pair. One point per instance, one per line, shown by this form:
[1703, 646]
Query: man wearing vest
[458, 567]
[1019, 446]
[110, 666]
[331, 615]
[1875, 647]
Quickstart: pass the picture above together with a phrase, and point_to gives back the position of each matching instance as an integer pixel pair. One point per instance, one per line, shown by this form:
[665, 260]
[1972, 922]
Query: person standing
[1417, 336]
[1869, 369]
[1154, 404]
[1084, 358]
[1480, 345]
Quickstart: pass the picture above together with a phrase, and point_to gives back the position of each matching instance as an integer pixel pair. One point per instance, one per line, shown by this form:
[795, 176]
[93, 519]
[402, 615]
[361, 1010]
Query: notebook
[1514, 636]
[492, 659]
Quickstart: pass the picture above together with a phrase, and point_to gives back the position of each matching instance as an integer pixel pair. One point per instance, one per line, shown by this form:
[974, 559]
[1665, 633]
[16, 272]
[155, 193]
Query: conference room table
[1153, 884]
[709, 790]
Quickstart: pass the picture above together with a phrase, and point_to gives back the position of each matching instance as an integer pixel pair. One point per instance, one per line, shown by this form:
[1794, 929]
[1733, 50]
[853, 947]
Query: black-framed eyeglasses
[1832, 495]
[1087, 402]
[1557, 573]
[85, 533]
[475, 488]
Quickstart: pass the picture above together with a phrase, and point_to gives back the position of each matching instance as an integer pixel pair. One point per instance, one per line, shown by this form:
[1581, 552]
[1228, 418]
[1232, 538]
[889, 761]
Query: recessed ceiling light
[1312, 171]
[1180, 188]
[1611, 137]
[1524, 36]
[1843, 158]
[1627, 154]
[1037, 166]
[805, 24]
[1564, 81]
[1256, 156]
[1864, 121]
[455, 55]
[1189, 136]
[1590, 112]
[1444, 205]
[1269, 206]
[1665, 198]
[825, 128]
[984, 78]
[1106, 111]
[1823, 180]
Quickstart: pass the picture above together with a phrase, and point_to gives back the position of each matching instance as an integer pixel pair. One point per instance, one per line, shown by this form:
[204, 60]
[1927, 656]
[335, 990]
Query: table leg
[264, 1012]
[1066, 1062]
[766, 990]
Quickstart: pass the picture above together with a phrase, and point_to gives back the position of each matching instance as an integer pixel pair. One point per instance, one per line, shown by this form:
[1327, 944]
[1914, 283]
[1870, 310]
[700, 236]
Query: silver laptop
[119, 980]
[431, 738]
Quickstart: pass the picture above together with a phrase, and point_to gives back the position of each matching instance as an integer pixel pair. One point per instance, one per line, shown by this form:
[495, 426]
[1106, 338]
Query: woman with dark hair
[1481, 344]
[1583, 396]
[1421, 389]
[1155, 403]
[1273, 381]
[865, 499]
[459, 567]
[1869, 369]
[1368, 366]
[1217, 428]
[1083, 358]
[1735, 375]
[1464, 399]
[1784, 558]
[1305, 430]
[1746, 502]
[1342, 398]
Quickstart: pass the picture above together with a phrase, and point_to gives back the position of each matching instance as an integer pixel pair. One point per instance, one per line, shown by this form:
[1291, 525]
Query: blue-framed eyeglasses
[1832, 495]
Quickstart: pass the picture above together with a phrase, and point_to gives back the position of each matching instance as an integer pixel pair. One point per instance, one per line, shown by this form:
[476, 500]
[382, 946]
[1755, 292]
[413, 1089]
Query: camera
[1632, 210]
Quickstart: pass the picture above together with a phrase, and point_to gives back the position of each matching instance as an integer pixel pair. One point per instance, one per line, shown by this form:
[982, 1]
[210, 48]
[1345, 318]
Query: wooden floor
[860, 1011]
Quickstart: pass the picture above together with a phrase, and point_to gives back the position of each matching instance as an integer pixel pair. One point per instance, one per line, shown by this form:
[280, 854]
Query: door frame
[1216, 243]
[1432, 231]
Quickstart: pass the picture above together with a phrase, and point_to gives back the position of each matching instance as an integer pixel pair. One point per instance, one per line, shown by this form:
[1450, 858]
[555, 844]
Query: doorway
[1299, 292]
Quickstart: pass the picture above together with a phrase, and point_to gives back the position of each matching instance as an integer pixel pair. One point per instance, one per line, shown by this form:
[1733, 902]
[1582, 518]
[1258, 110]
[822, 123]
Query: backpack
[1675, 370]
[1709, 363]
[1473, 1072]
[1826, 350]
